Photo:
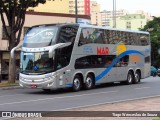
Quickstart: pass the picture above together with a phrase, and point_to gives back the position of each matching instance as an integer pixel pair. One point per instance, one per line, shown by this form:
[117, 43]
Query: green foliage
[157, 118]
[154, 28]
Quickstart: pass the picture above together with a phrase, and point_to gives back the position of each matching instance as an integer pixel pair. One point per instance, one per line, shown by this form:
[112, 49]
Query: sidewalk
[4, 85]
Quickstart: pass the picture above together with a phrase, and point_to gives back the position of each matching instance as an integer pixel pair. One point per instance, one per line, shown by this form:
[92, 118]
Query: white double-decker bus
[81, 56]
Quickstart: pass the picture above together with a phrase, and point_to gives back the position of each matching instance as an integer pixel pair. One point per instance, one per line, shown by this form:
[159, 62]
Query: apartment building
[94, 7]
[131, 21]
[105, 17]
[52, 6]
[63, 6]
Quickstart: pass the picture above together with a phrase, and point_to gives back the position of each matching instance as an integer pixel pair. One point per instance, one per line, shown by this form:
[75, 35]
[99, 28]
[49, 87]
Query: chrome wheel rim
[136, 77]
[129, 78]
[77, 83]
[89, 82]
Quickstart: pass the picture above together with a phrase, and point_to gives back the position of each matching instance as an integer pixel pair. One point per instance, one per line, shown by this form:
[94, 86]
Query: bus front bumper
[47, 83]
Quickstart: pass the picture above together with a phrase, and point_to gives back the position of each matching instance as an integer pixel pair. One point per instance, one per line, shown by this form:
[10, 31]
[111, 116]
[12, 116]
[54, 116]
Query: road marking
[93, 105]
[11, 95]
[142, 88]
[57, 98]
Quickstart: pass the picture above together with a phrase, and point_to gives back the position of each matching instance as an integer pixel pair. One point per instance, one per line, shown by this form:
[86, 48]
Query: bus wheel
[77, 84]
[130, 78]
[89, 83]
[137, 77]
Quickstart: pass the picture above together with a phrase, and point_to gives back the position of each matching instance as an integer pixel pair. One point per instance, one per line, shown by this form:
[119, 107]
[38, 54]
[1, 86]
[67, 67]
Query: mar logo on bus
[102, 50]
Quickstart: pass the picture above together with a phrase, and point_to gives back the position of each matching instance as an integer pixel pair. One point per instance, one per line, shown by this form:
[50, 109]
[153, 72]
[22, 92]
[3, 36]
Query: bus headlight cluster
[49, 78]
[50, 84]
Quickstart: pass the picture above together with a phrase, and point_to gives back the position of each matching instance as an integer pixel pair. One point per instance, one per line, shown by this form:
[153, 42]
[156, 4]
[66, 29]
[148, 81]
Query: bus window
[143, 38]
[67, 34]
[83, 62]
[91, 35]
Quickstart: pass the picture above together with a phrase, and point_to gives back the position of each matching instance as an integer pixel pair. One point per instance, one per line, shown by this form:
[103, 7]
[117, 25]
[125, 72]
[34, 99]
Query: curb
[9, 87]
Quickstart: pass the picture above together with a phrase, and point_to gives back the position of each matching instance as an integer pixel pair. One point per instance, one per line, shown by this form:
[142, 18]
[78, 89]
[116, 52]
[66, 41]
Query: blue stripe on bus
[69, 85]
[115, 61]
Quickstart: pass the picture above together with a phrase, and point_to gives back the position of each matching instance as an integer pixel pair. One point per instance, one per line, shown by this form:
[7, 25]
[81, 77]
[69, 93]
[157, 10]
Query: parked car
[158, 72]
[153, 71]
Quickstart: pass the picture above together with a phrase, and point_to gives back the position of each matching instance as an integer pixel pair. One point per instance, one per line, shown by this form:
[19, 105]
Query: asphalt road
[37, 100]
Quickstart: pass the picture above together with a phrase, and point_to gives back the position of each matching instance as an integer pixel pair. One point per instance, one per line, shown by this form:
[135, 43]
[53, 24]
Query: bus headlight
[49, 78]
[50, 84]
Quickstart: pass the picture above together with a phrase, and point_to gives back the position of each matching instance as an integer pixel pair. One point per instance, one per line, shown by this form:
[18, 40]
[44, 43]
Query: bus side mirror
[59, 45]
[52, 49]
[15, 48]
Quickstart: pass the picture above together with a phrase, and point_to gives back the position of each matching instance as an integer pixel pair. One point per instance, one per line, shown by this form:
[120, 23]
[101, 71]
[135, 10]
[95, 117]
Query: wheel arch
[80, 74]
[131, 70]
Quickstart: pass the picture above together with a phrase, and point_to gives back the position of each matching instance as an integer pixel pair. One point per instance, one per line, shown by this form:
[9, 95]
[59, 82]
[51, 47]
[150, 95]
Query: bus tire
[137, 77]
[77, 83]
[89, 82]
[130, 78]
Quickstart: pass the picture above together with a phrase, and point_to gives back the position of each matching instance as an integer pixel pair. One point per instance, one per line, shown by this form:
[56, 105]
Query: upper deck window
[40, 36]
[91, 35]
[67, 34]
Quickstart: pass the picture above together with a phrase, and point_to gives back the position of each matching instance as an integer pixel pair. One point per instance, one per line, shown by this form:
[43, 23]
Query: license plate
[33, 86]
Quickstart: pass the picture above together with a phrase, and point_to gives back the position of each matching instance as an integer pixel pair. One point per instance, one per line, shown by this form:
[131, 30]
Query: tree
[13, 15]
[154, 28]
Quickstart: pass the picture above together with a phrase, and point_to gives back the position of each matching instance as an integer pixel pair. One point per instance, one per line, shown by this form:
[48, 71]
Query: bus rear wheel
[130, 78]
[137, 77]
[89, 83]
[77, 83]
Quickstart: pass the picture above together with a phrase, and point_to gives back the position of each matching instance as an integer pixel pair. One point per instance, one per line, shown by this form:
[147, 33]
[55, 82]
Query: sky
[150, 6]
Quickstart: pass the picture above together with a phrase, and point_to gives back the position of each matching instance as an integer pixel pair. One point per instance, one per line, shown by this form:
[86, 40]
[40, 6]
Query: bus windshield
[36, 63]
[41, 36]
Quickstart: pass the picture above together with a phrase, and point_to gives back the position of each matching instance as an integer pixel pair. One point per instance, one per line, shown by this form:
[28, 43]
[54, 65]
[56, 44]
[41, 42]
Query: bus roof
[110, 28]
[58, 24]
[92, 26]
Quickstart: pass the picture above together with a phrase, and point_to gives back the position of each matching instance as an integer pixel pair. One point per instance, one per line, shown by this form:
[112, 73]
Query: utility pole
[76, 12]
[114, 13]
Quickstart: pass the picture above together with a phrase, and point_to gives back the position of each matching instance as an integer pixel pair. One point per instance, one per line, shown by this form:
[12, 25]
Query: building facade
[123, 19]
[131, 21]
[94, 7]
[63, 6]
[105, 17]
